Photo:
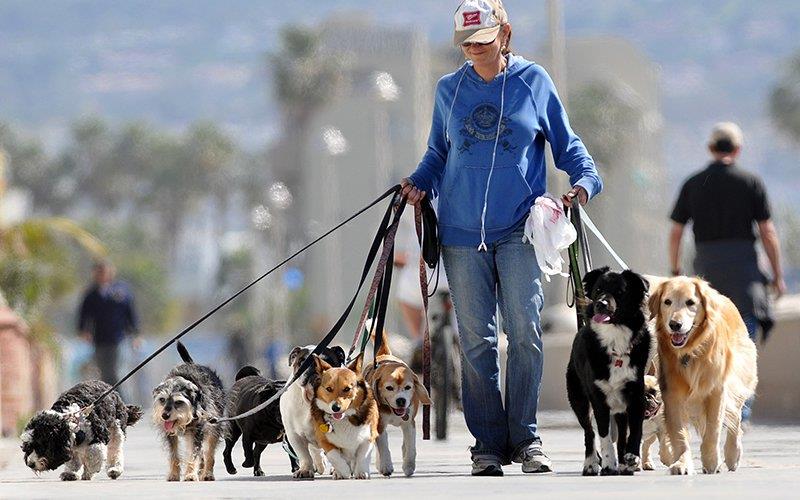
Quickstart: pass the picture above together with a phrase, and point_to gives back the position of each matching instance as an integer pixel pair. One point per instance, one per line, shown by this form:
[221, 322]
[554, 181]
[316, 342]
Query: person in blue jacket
[107, 316]
[486, 163]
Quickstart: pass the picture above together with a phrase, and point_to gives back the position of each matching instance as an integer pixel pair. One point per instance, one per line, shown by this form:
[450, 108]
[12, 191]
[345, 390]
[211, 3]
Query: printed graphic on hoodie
[480, 124]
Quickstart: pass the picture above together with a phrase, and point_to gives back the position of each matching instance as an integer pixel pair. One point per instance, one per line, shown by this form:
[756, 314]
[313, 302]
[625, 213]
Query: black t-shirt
[723, 201]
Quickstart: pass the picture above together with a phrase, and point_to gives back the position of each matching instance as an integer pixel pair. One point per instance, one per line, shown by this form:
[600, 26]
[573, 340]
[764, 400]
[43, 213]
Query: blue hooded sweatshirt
[476, 190]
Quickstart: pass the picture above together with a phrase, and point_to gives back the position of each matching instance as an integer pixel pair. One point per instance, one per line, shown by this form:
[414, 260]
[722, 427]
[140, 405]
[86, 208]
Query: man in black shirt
[107, 315]
[725, 205]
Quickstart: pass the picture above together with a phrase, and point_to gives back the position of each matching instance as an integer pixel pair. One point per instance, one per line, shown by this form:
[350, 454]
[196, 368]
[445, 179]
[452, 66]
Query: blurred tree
[38, 266]
[32, 170]
[784, 101]
[607, 120]
[305, 79]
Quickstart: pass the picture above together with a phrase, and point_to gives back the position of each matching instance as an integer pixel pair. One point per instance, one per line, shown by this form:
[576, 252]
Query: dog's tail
[184, 353]
[384, 350]
[134, 414]
[247, 371]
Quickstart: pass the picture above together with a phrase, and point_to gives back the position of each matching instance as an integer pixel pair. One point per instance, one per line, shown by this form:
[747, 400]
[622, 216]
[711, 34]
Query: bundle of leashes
[377, 303]
[580, 258]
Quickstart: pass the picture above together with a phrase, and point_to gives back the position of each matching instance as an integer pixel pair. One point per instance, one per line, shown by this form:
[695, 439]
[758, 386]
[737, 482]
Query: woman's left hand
[580, 192]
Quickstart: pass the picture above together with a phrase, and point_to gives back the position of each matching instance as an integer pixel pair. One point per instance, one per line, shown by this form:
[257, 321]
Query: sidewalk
[770, 469]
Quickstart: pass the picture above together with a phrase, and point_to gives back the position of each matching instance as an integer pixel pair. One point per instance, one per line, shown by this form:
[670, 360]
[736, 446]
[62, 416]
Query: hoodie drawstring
[452, 104]
[482, 246]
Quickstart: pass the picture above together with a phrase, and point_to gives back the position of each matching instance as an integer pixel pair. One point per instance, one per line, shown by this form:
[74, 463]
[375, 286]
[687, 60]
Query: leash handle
[426, 336]
[577, 250]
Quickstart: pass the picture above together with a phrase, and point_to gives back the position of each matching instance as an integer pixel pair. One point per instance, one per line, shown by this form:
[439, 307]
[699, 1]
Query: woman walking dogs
[486, 162]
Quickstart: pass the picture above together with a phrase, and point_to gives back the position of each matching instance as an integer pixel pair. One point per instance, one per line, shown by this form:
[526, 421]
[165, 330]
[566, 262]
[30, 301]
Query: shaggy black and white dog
[256, 431]
[64, 435]
[605, 374]
[182, 406]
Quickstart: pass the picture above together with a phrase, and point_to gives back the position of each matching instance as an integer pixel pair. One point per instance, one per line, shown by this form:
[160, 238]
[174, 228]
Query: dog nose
[675, 326]
[401, 402]
[335, 407]
[165, 416]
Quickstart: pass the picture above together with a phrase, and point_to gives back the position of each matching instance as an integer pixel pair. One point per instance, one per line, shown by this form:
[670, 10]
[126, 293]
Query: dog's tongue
[169, 425]
[678, 339]
[338, 415]
[399, 411]
[601, 318]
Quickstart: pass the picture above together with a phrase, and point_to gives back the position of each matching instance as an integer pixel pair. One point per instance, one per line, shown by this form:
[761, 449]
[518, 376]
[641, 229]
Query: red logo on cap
[472, 18]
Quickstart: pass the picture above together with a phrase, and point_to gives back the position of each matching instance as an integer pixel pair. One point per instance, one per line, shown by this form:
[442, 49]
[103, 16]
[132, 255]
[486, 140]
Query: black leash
[394, 191]
[578, 250]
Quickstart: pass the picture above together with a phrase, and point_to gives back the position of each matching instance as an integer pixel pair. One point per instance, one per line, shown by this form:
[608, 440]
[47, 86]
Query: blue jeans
[751, 323]
[506, 275]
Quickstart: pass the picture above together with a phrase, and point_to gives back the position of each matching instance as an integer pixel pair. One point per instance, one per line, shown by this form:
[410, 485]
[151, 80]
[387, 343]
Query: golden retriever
[707, 370]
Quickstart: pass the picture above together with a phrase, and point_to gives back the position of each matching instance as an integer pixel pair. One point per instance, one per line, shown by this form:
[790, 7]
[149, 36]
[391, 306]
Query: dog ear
[636, 282]
[357, 364]
[320, 364]
[421, 391]
[293, 354]
[654, 302]
[339, 353]
[591, 279]
[709, 300]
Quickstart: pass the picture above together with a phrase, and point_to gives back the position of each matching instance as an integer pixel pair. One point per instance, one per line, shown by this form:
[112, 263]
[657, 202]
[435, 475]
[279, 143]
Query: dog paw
[303, 474]
[247, 463]
[69, 476]
[86, 476]
[361, 475]
[608, 471]
[258, 473]
[591, 465]
[630, 464]
[208, 476]
[114, 472]
[712, 470]
[409, 468]
[648, 466]
[191, 477]
[386, 469]
[679, 469]
[338, 475]
[174, 477]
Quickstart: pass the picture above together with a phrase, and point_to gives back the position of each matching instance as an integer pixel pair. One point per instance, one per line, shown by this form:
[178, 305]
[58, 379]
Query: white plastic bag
[549, 231]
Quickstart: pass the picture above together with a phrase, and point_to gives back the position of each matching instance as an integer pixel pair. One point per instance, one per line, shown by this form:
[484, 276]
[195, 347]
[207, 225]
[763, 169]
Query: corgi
[655, 427]
[399, 394]
[346, 417]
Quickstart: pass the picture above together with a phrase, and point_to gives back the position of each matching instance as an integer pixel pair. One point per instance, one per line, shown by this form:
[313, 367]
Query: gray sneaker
[534, 460]
[486, 466]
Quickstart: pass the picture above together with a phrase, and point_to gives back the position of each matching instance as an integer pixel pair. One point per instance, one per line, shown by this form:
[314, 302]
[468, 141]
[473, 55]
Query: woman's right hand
[410, 192]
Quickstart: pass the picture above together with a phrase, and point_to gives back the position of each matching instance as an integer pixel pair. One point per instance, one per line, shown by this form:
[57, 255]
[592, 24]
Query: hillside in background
[173, 62]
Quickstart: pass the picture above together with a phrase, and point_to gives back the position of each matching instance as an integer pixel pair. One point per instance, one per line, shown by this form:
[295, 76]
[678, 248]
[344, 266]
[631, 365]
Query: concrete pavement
[771, 469]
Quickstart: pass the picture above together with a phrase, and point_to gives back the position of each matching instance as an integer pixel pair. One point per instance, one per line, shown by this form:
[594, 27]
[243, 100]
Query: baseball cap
[726, 134]
[478, 21]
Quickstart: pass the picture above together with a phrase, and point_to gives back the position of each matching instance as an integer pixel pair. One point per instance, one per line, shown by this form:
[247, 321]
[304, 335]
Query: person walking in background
[107, 316]
[725, 204]
[492, 119]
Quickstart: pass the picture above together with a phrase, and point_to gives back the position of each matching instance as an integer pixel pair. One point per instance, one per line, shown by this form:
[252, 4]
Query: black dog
[259, 430]
[605, 375]
[183, 405]
[64, 435]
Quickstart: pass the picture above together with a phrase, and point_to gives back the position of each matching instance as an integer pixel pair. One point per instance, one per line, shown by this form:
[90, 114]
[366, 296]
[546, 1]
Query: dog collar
[326, 427]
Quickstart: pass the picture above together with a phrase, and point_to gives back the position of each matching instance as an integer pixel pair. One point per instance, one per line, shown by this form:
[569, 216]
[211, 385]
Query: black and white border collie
[605, 374]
